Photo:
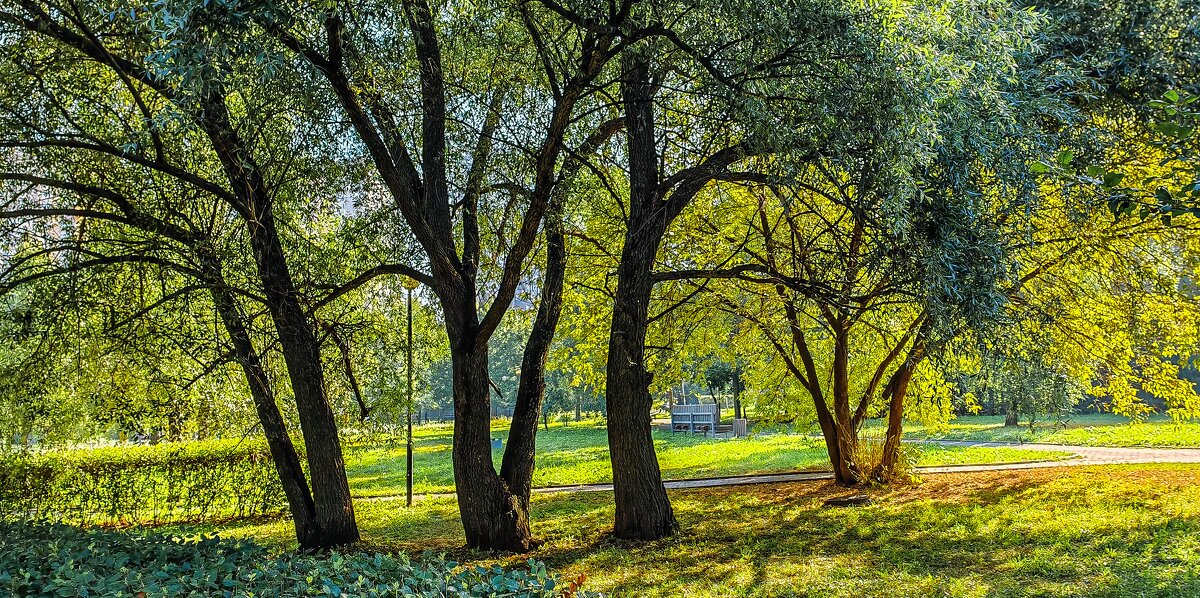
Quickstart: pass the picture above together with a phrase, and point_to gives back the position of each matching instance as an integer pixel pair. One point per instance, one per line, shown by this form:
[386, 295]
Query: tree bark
[302, 354]
[898, 389]
[846, 433]
[297, 341]
[518, 464]
[279, 442]
[643, 510]
[492, 517]
[845, 470]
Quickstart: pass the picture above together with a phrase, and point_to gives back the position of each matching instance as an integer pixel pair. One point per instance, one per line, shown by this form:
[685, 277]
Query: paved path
[1093, 455]
[1084, 455]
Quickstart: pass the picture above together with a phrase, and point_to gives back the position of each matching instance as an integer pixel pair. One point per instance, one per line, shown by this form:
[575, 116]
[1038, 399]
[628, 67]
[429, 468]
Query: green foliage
[57, 560]
[142, 484]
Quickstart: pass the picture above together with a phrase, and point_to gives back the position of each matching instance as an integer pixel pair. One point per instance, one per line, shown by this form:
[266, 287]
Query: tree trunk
[898, 388]
[1011, 414]
[643, 510]
[847, 433]
[845, 470]
[492, 517]
[517, 466]
[279, 442]
[297, 341]
[302, 354]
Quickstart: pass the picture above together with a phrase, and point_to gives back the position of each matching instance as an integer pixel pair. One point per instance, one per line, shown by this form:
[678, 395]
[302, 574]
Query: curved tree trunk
[302, 354]
[279, 442]
[898, 388]
[517, 466]
[297, 340]
[845, 469]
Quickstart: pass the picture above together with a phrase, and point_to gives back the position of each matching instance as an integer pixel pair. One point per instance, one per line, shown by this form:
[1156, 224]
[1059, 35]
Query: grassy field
[1085, 430]
[1111, 531]
[578, 454]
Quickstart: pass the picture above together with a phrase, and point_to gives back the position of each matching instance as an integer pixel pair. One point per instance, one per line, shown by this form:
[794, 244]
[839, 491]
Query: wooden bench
[695, 418]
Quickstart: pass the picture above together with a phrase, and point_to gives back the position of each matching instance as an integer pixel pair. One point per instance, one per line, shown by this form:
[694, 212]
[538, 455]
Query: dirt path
[1084, 455]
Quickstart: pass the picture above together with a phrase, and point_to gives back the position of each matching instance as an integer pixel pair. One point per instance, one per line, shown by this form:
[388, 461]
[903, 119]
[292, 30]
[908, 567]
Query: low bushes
[57, 560]
[142, 484]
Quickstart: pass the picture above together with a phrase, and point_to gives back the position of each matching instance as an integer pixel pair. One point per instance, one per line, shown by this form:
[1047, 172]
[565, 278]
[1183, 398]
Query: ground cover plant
[57, 560]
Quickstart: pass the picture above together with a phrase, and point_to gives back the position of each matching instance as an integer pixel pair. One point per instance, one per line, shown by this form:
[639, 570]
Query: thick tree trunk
[492, 517]
[517, 466]
[643, 510]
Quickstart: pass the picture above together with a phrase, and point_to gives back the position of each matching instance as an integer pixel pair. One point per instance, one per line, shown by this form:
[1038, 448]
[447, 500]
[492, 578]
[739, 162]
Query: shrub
[57, 560]
[142, 484]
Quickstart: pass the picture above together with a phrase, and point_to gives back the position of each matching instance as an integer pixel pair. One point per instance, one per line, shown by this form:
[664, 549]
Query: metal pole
[409, 471]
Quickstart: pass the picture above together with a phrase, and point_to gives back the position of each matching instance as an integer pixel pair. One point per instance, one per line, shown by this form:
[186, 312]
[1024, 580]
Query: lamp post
[409, 284]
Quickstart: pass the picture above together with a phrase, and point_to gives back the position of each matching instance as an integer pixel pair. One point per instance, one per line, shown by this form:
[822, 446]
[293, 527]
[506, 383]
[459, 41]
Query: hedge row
[171, 482]
[57, 560]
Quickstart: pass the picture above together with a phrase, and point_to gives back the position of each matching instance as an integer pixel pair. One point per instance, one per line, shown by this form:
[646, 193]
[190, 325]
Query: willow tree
[118, 155]
[861, 261]
[502, 98]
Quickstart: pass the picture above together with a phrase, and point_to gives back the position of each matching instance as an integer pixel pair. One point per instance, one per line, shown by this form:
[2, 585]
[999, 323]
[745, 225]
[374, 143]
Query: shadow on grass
[1090, 531]
[971, 535]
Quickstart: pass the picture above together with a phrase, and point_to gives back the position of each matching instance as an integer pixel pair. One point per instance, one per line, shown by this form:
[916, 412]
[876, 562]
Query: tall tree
[142, 159]
[497, 133]
[700, 104]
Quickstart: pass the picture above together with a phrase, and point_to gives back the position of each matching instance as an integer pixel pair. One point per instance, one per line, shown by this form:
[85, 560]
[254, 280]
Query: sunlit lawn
[1086, 430]
[1090, 531]
[577, 453]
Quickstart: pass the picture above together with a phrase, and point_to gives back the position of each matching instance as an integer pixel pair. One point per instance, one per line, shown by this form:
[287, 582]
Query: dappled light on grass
[577, 453]
[1095, 531]
[1083, 430]
[1103, 531]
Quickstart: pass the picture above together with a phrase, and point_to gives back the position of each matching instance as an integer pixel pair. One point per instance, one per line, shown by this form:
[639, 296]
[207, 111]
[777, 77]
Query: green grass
[570, 454]
[1082, 430]
[1112, 531]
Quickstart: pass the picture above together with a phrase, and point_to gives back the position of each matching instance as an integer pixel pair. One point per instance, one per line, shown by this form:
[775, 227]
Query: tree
[490, 150]
[700, 105]
[873, 254]
[135, 157]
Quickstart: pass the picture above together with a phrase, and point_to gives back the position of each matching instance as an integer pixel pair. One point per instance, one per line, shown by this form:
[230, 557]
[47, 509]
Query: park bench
[695, 418]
